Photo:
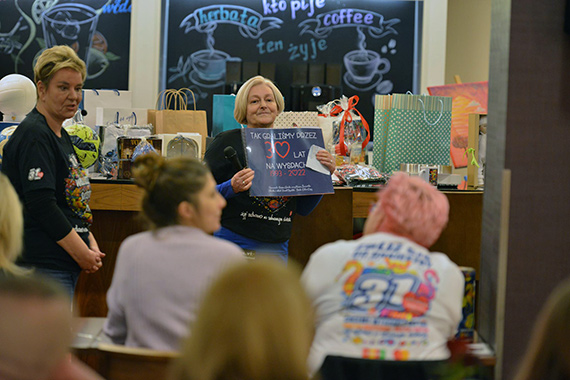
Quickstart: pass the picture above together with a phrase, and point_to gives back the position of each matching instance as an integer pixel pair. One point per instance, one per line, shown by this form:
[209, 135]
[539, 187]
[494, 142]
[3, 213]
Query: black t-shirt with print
[38, 162]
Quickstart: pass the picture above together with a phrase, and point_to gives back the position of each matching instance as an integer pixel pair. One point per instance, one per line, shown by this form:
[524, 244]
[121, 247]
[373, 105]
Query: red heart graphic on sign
[282, 143]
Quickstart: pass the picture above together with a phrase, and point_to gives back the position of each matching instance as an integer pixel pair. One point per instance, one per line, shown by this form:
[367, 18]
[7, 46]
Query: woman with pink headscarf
[386, 296]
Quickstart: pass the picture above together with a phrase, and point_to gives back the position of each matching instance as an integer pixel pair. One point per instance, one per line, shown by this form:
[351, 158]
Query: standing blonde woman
[41, 163]
[255, 323]
[11, 228]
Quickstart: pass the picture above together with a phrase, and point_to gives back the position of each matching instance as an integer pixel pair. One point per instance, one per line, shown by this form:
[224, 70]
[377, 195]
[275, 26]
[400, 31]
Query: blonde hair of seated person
[255, 323]
[548, 351]
[11, 228]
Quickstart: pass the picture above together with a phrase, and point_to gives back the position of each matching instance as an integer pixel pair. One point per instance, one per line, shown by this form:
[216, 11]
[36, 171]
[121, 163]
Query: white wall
[468, 40]
[144, 58]
[434, 44]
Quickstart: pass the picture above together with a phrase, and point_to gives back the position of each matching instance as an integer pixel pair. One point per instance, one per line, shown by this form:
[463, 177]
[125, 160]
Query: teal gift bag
[418, 132]
[223, 114]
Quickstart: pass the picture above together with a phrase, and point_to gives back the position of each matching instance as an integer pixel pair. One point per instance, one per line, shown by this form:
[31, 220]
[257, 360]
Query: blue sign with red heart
[282, 161]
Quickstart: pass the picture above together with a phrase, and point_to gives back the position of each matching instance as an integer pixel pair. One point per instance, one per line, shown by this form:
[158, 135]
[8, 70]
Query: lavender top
[158, 282]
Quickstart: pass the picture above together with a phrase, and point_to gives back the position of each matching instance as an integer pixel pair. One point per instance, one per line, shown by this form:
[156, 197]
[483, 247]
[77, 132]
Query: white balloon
[17, 96]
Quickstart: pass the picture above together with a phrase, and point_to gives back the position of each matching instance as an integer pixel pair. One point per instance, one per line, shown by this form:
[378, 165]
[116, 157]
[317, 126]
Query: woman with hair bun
[160, 274]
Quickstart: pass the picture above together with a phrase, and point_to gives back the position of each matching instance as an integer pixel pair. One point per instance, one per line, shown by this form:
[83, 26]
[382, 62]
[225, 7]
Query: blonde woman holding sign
[259, 225]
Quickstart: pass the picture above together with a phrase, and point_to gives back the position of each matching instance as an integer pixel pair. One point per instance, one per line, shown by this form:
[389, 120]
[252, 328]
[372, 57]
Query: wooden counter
[115, 210]
[115, 214]
[115, 197]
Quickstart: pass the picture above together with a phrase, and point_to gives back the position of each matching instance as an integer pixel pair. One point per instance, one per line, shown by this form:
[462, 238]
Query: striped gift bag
[382, 108]
[418, 132]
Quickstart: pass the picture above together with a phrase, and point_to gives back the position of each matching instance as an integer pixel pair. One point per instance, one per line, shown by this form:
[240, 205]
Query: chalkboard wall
[98, 30]
[374, 43]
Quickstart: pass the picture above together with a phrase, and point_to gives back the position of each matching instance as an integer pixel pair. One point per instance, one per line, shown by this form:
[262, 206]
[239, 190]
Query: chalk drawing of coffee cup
[70, 24]
[210, 65]
[362, 65]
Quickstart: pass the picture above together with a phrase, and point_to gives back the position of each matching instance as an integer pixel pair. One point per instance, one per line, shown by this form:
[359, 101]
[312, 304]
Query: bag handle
[347, 118]
[164, 98]
[425, 116]
[183, 91]
[177, 98]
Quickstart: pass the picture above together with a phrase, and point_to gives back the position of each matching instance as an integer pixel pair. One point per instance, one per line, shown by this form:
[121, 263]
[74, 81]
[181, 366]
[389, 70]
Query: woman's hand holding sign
[242, 180]
[326, 159]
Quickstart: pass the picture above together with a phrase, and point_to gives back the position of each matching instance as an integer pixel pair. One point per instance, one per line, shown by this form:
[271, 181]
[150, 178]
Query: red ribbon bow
[347, 118]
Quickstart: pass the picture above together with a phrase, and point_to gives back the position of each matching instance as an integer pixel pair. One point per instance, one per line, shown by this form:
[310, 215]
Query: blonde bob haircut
[240, 110]
[11, 228]
[255, 323]
[54, 59]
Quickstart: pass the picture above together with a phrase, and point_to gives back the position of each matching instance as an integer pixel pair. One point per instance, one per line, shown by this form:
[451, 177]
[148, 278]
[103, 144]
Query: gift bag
[382, 108]
[171, 115]
[223, 114]
[418, 132]
[348, 126]
[92, 99]
[293, 119]
[325, 122]
[132, 116]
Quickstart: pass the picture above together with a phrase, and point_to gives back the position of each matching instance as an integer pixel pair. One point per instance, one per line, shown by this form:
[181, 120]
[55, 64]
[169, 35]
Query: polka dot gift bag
[382, 109]
[418, 132]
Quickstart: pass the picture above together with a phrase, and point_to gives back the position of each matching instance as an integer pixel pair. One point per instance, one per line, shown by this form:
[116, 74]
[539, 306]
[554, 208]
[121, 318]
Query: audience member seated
[255, 323]
[160, 274]
[11, 229]
[36, 332]
[547, 355]
[386, 296]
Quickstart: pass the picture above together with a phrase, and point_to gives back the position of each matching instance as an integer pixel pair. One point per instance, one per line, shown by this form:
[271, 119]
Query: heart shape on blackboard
[277, 150]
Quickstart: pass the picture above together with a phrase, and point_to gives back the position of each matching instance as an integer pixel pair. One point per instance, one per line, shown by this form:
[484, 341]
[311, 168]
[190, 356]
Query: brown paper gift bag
[171, 115]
